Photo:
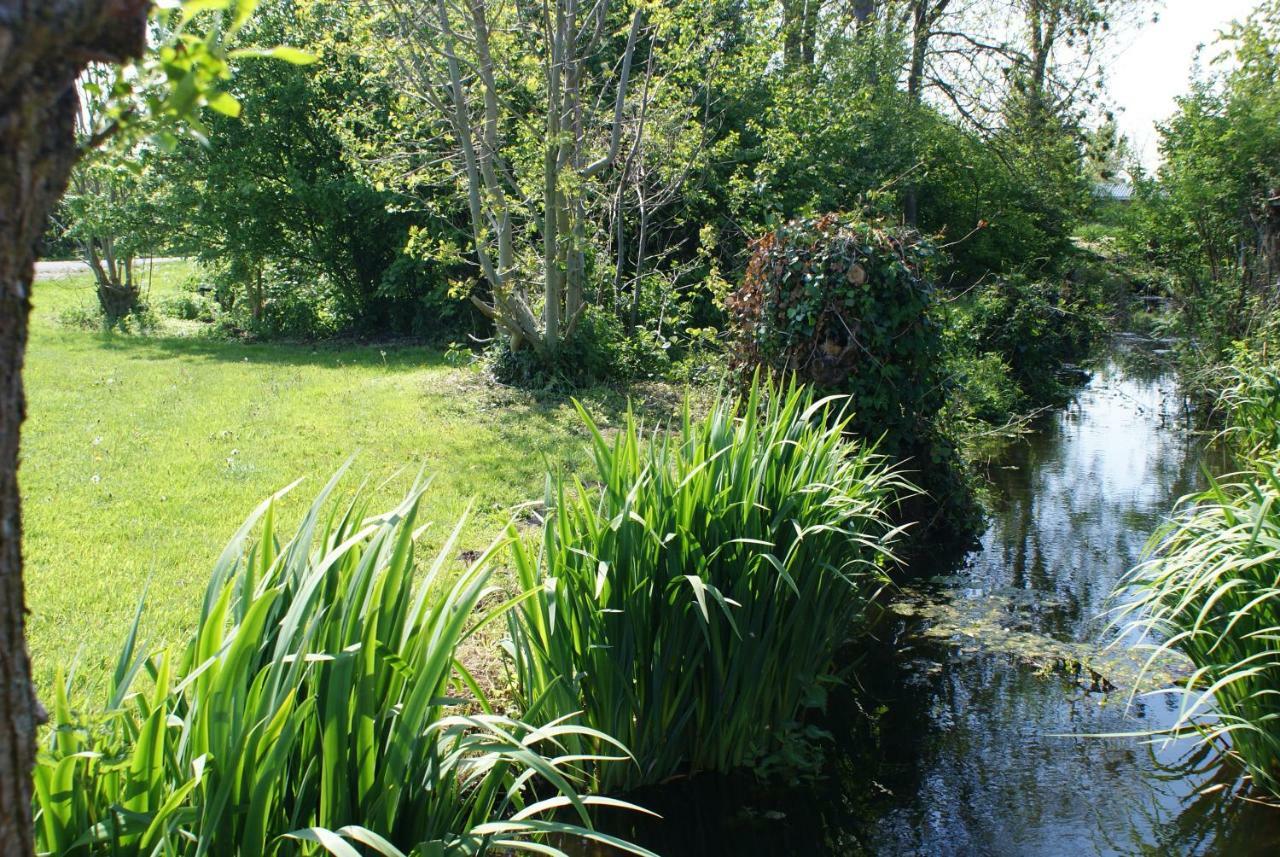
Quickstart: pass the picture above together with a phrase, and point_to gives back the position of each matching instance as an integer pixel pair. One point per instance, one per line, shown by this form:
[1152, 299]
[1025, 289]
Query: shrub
[847, 305]
[85, 317]
[985, 390]
[1035, 327]
[694, 602]
[188, 306]
[321, 692]
[599, 351]
[82, 317]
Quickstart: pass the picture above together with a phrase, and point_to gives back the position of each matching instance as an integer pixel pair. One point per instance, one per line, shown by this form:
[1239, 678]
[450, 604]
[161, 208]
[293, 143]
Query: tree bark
[925, 15]
[43, 47]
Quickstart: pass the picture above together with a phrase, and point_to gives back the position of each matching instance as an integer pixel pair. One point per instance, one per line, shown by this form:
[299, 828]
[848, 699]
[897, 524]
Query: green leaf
[295, 56]
[225, 103]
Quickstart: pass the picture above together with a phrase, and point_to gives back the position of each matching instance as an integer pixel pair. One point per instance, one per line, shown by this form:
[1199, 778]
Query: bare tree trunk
[925, 15]
[43, 46]
[809, 32]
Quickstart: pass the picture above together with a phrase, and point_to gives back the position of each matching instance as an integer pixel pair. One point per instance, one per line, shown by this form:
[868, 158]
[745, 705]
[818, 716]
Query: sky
[1154, 65]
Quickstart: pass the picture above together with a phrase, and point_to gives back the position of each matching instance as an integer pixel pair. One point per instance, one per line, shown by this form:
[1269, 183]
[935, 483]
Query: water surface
[992, 675]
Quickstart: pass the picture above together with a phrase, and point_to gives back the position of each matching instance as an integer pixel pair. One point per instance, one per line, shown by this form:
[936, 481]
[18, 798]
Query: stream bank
[988, 672]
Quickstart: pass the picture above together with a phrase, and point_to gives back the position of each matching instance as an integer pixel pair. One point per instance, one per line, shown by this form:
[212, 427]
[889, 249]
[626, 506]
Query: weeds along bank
[1210, 586]
[676, 617]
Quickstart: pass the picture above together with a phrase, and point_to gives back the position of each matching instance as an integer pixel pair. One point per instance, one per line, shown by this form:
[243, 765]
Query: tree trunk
[809, 33]
[43, 46]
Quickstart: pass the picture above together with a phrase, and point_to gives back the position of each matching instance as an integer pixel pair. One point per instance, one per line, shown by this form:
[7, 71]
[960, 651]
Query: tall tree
[43, 48]
[464, 60]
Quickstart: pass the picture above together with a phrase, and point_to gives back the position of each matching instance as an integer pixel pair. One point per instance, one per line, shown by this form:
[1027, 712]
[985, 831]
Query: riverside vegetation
[390, 254]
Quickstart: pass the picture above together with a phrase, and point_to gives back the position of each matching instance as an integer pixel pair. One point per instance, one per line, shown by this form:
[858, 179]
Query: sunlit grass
[138, 451]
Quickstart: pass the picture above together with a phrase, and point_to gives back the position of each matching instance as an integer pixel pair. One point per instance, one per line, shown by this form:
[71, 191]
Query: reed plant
[1209, 588]
[692, 602]
[321, 703]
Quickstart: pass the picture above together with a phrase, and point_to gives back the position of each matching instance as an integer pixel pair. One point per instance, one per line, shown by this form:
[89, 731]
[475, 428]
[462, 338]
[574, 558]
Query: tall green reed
[1209, 587]
[691, 603]
[321, 702]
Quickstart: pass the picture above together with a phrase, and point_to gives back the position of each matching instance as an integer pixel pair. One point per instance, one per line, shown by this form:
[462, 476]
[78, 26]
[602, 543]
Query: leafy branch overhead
[160, 95]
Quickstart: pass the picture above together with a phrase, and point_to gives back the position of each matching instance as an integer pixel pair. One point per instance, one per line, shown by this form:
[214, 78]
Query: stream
[992, 676]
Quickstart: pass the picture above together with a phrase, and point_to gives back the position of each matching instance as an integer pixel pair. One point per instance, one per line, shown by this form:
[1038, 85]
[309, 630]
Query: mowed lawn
[141, 455]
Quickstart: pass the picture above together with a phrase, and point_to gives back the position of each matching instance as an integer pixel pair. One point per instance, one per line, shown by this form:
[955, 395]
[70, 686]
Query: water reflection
[974, 751]
[987, 770]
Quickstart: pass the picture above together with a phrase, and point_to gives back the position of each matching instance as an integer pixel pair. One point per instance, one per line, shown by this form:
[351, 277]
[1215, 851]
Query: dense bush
[321, 691]
[985, 392]
[598, 351]
[847, 304]
[188, 305]
[844, 303]
[693, 603]
[1035, 327]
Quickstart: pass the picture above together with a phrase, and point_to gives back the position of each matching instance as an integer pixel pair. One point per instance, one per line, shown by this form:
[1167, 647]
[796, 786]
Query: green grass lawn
[142, 454]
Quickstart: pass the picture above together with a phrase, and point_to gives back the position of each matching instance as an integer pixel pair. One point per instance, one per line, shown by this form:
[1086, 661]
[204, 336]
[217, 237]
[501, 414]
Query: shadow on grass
[331, 355]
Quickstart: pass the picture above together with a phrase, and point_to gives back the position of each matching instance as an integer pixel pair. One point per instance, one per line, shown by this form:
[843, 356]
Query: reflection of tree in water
[971, 752]
[1214, 816]
[983, 773]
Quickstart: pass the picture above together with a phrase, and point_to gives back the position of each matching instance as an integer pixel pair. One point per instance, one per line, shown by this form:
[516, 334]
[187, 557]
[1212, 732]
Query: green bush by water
[321, 699]
[849, 304]
[692, 604]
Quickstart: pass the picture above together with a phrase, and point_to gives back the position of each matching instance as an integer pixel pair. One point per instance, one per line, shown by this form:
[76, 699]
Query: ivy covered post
[847, 304]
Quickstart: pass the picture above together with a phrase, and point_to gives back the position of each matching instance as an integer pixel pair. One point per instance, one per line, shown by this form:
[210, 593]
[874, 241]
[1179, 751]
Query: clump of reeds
[693, 600]
[1209, 588]
[319, 703]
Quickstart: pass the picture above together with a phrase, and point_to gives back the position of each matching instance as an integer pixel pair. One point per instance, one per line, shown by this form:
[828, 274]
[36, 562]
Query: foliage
[321, 690]
[847, 304]
[274, 203]
[844, 303]
[188, 305]
[1212, 215]
[1208, 588]
[985, 392]
[128, 116]
[1034, 327]
[597, 351]
[1250, 405]
[693, 602]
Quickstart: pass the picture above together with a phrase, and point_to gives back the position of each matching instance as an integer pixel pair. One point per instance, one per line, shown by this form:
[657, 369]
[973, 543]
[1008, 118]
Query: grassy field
[142, 454]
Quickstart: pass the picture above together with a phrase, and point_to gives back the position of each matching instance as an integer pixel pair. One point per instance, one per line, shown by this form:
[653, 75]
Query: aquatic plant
[1210, 589]
[1249, 404]
[321, 699]
[692, 604]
